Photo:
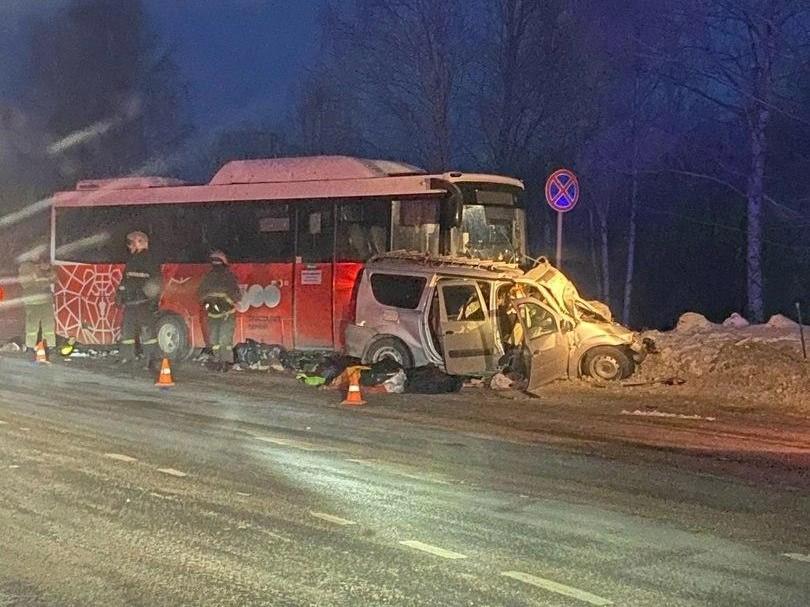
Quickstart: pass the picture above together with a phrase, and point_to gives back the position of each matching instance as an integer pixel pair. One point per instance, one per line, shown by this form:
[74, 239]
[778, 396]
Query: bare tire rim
[606, 367]
[388, 352]
[168, 338]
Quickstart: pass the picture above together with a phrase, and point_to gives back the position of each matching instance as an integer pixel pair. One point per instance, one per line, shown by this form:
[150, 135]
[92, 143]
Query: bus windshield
[491, 232]
[492, 223]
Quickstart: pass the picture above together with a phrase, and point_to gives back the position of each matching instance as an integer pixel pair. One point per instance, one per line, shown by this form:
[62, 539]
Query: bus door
[313, 305]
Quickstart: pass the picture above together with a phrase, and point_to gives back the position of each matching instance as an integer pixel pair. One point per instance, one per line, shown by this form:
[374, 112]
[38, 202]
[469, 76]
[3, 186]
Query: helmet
[218, 257]
[139, 240]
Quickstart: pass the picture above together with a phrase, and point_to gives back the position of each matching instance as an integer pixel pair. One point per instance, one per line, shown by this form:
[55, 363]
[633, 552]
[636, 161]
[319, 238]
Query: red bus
[297, 231]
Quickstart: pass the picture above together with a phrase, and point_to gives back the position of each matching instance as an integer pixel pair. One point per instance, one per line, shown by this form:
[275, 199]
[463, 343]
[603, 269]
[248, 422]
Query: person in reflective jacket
[139, 293]
[218, 294]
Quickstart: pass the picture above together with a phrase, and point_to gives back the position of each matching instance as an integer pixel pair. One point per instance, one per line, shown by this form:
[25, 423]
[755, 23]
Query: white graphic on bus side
[256, 296]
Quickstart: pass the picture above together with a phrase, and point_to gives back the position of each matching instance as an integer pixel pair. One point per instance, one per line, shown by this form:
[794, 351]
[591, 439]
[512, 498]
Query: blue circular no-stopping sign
[562, 190]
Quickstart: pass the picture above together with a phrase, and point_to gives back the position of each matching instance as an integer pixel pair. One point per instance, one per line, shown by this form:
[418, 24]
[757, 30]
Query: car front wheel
[608, 363]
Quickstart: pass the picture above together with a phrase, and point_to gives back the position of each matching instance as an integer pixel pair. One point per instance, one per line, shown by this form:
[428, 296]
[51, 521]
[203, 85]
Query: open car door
[465, 328]
[548, 347]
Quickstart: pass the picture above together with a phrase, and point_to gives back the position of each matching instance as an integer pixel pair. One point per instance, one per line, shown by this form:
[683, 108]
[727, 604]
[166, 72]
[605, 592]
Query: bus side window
[362, 229]
[315, 232]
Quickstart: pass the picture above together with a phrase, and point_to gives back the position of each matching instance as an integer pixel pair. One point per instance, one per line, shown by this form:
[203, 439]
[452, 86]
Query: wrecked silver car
[465, 315]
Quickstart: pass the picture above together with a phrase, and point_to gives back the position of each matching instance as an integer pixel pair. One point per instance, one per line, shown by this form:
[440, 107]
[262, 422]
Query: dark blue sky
[241, 58]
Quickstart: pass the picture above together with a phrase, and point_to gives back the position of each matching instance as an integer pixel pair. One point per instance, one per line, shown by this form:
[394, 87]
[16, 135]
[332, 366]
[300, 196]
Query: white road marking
[13, 466]
[331, 518]
[243, 494]
[393, 470]
[121, 457]
[419, 477]
[365, 462]
[172, 472]
[163, 497]
[285, 442]
[667, 414]
[804, 558]
[24, 429]
[574, 593]
[435, 550]
[2, 423]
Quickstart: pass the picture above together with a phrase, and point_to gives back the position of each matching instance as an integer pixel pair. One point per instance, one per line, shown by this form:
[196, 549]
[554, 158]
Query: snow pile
[777, 321]
[750, 365]
[736, 321]
[692, 321]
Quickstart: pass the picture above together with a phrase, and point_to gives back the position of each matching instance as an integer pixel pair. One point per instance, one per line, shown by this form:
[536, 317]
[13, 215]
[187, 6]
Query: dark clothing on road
[218, 294]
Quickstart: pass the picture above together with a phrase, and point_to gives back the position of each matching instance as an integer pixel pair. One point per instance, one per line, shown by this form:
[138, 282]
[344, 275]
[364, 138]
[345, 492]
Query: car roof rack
[438, 261]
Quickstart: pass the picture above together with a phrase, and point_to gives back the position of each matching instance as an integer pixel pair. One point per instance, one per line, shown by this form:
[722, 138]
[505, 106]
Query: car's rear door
[465, 328]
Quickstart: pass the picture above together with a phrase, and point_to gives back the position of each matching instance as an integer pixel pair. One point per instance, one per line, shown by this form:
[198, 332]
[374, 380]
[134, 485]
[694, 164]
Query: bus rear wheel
[172, 336]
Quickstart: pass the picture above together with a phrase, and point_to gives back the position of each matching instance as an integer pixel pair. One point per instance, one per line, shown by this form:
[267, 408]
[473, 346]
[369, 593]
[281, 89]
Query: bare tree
[405, 60]
[326, 116]
[527, 47]
[741, 60]
[629, 118]
[108, 96]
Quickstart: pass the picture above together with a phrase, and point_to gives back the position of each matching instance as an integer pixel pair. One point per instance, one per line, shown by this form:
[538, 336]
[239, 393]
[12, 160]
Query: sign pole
[801, 329]
[559, 239]
[562, 193]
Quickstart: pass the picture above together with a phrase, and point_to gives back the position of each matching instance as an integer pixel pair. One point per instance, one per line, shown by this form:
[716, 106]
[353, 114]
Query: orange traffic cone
[41, 350]
[353, 396]
[164, 379]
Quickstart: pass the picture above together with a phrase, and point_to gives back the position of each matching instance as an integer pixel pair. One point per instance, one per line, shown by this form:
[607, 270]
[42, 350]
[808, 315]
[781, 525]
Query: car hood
[565, 294]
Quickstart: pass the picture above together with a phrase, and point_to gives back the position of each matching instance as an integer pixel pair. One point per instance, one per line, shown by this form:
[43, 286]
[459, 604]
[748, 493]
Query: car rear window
[397, 290]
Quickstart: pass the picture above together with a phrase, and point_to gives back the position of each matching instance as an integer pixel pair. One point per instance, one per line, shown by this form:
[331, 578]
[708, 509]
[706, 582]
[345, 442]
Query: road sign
[562, 190]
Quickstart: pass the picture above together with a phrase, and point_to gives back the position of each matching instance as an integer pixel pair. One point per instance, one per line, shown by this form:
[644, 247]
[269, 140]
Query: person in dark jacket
[219, 293]
[139, 293]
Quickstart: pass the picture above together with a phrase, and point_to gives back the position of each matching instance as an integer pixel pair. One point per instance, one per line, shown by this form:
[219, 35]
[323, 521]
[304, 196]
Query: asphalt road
[115, 493]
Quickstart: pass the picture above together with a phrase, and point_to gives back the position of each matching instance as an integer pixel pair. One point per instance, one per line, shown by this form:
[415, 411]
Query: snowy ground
[753, 366]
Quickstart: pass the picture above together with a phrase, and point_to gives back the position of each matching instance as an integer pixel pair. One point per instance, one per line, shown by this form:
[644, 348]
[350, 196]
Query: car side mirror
[566, 325]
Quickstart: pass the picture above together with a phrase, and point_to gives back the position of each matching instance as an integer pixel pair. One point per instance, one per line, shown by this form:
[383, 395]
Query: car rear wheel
[389, 347]
[172, 336]
[608, 363]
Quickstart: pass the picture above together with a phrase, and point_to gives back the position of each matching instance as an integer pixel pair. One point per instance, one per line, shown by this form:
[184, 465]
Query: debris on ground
[311, 379]
[666, 381]
[431, 380]
[253, 355]
[499, 381]
[396, 383]
[752, 365]
[379, 372]
[10, 347]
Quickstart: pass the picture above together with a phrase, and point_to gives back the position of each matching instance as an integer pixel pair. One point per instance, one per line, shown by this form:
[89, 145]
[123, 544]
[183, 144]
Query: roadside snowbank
[752, 365]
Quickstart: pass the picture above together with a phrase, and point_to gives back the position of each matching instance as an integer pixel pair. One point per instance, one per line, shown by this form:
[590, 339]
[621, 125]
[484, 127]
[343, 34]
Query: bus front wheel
[172, 336]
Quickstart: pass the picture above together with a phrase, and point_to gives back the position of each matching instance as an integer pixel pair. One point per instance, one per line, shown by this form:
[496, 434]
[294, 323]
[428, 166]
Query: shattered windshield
[490, 232]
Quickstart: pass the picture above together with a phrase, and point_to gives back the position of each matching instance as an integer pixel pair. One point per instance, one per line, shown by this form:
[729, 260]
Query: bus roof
[275, 179]
[313, 168]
